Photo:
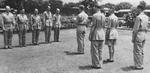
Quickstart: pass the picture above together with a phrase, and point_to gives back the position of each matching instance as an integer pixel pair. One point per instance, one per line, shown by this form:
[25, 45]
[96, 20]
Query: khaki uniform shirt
[57, 21]
[82, 21]
[22, 21]
[48, 19]
[97, 29]
[36, 21]
[112, 24]
[8, 20]
[140, 28]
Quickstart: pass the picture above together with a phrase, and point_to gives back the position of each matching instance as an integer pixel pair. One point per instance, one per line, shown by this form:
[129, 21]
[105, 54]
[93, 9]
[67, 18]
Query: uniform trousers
[47, 33]
[35, 36]
[8, 34]
[80, 38]
[138, 53]
[22, 37]
[96, 53]
[56, 34]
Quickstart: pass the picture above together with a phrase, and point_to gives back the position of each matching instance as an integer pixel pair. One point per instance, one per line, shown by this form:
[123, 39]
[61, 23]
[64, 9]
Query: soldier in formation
[8, 23]
[111, 35]
[36, 26]
[57, 25]
[22, 22]
[48, 21]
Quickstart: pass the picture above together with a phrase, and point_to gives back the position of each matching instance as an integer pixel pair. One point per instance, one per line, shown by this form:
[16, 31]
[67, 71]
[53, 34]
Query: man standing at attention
[97, 37]
[111, 35]
[22, 24]
[48, 24]
[81, 29]
[8, 23]
[57, 25]
[36, 26]
[138, 37]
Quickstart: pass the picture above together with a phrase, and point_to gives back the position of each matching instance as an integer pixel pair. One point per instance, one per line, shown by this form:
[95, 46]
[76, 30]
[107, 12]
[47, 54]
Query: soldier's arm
[136, 28]
[77, 20]
[117, 23]
[44, 20]
[103, 21]
[60, 21]
[13, 21]
[52, 18]
[3, 22]
[17, 21]
[89, 21]
[28, 22]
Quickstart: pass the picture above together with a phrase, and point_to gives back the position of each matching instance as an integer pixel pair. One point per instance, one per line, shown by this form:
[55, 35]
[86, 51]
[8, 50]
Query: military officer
[111, 35]
[8, 23]
[36, 27]
[82, 18]
[57, 25]
[138, 37]
[97, 37]
[22, 24]
[48, 24]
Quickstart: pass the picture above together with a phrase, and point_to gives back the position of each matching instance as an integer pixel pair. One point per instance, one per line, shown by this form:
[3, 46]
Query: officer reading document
[81, 29]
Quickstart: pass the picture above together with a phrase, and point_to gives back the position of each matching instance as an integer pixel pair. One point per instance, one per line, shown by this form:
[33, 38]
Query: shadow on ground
[88, 67]
[72, 53]
[128, 68]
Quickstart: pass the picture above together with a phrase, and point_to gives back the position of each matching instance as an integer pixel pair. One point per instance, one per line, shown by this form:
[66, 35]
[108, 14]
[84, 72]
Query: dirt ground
[59, 57]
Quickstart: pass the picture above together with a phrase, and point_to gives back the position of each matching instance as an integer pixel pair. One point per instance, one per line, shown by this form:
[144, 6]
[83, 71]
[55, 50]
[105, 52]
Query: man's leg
[80, 41]
[95, 54]
[58, 32]
[20, 38]
[49, 34]
[46, 34]
[55, 36]
[33, 36]
[100, 48]
[37, 36]
[138, 54]
[10, 35]
[5, 33]
[111, 50]
[24, 38]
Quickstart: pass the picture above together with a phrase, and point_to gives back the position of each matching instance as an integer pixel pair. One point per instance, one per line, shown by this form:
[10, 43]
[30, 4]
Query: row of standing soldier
[98, 35]
[21, 22]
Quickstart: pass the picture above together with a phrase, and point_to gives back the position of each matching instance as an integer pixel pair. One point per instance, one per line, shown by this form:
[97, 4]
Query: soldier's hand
[3, 28]
[83, 32]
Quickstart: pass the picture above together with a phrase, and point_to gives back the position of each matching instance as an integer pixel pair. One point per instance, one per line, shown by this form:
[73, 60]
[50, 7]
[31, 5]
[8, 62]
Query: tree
[68, 9]
[123, 5]
[143, 3]
[148, 7]
[109, 5]
[17, 4]
[55, 4]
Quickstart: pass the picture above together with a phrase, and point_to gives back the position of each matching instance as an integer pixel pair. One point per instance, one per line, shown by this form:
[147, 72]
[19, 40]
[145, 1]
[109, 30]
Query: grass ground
[54, 57]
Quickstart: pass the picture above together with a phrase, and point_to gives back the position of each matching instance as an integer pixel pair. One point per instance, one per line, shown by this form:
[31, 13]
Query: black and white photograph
[74, 36]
